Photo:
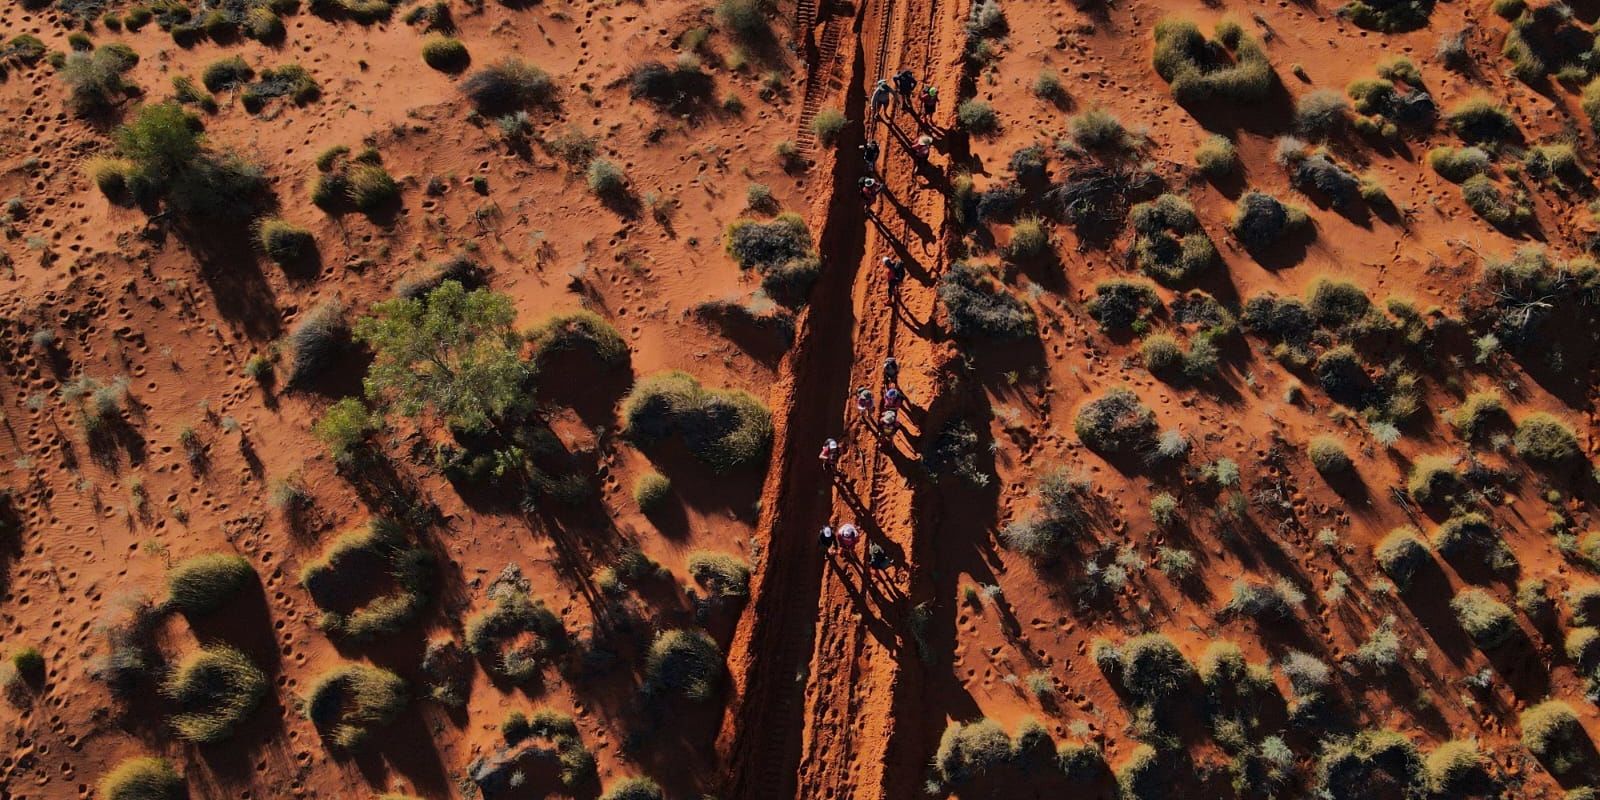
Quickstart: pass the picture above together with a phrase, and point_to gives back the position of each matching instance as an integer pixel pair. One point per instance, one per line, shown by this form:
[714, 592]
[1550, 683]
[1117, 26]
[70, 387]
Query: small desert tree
[453, 351]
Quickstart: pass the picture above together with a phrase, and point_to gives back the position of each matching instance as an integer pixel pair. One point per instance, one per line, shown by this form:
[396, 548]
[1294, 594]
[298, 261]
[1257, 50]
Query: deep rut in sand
[819, 660]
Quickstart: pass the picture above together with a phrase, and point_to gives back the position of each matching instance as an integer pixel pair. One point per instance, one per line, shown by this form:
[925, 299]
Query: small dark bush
[1116, 423]
[580, 332]
[1553, 734]
[745, 20]
[317, 342]
[507, 86]
[1153, 669]
[1349, 768]
[1488, 201]
[348, 702]
[634, 789]
[1341, 374]
[1318, 175]
[683, 663]
[94, 80]
[1337, 304]
[1262, 601]
[1458, 769]
[651, 492]
[1401, 554]
[369, 187]
[970, 750]
[1217, 157]
[721, 574]
[1118, 303]
[979, 305]
[677, 88]
[1328, 455]
[779, 250]
[1487, 620]
[215, 689]
[1099, 129]
[977, 117]
[1433, 479]
[1061, 520]
[536, 631]
[1469, 540]
[445, 53]
[203, 584]
[228, 73]
[1458, 163]
[1283, 318]
[339, 579]
[1169, 244]
[725, 429]
[1544, 439]
[1480, 412]
[1481, 120]
[285, 242]
[1322, 113]
[1260, 220]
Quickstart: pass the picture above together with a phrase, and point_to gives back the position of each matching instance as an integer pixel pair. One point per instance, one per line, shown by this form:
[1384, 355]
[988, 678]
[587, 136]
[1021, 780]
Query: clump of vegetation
[1117, 422]
[1434, 479]
[683, 663]
[1061, 519]
[535, 630]
[652, 492]
[1263, 601]
[969, 750]
[1457, 164]
[379, 549]
[1553, 734]
[142, 778]
[780, 251]
[445, 53]
[1169, 244]
[284, 242]
[1120, 304]
[203, 584]
[507, 86]
[1479, 413]
[721, 574]
[634, 789]
[1261, 220]
[360, 183]
[215, 689]
[1321, 113]
[1141, 776]
[347, 703]
[726, 429]
[1544, 439]
[1545, 40]
[290, 81]
[979, 306]
[1233, 67]
[1030, 241]
[1328, 455]
[1401, 555]
[1349, 766]
[1099, 130]
[1458, 768]
[95, 85]
[581, 333]
[1488, 621]
[745, 20]
[977, 117]
[1217, 157]
[1395, 98]
[1495, 206]
[681, 87]
[1389, 16]
[1317, 174]
[1470, 539]
[163, 156]
[1480, 120]
[345, 427]
[317, 341]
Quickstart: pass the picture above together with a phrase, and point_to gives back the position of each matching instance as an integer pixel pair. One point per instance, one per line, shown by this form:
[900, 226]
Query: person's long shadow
[914, 224]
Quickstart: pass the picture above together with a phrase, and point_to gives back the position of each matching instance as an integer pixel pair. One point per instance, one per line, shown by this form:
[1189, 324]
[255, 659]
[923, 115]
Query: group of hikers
[884, 420]
[883, 98]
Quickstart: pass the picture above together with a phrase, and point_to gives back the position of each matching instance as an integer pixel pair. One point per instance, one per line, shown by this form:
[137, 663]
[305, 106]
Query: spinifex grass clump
[726, 429]
[203, 584]
[780, 251]
[369, 582]
[143, 779]
[215, 689]
[1117, 422]
[683, 663]
[584, 334]
[1169, 244]
[347, 703]
[1230, 68]
[534, 631]
[980, 307]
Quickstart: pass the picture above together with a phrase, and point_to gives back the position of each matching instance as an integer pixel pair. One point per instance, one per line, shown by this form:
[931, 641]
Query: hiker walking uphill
[869, 190]
[869, 155]
[882, 96]
[930, 100]
[896, 270]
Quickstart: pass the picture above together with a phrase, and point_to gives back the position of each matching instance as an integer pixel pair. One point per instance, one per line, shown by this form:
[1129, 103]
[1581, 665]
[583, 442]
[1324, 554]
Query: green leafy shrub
[1169, 243]
[348, 702]
[1116, 422]
[95, 85]
[445, 53]
[285, 242]
[1544, 439]
[535, 632]
[338, 578]
[1488, 621]
[170, 160]
[203, 584]
[1230, 68]
[721, 574]
[142, 778]
[980, 307]
[215, 689]
[345, 426]
[726, 429]
[684, 663]
[1401, 554]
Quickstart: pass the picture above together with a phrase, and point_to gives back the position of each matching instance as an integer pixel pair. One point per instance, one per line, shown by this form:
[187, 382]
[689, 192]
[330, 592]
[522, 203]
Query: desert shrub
[1582, 646]
[169, 159]
[1285, 319]
[1469, 538]
[1457, 768]
[142, 778]
[1458, 163]
[369, 187]
[1534, 600]
[1316, 173]
[979, 305]
[969, 750]
[1321, 113]
[1341, 374]
[1543, 438]
[745, 20]
[1230, 681]
[584, 333]
[1100, 130]
[1488, 621]
[1556, 162]
[1433, 479]
[24, 49]
[1328, 455]
[1350, 768]
[1153, 669]
[344, 427]
[356, 559]
[1262, 601]
[651, 492]
[94, 80]
[1047, 86]
[1261, 220]
[827, 125]
[1169, 244]
[684, 663]
[725, 429]
[1401, 554]
[634, 789]
[228, 73]
[1081, 762]
[780, 250]
[1141, 776]
[1585, 602]
[203, 584]
[1030, 240]
[977, 117]
[285, 242]
[1061, 519]
[1545, 40]
[1553, 734]
[1590, 102]
[721, 574]
[679, 88]
[1119, 303]
[1480, 120]
[508, 85]
[1480, 412]
[1161, 353]
[1116, 422]
[1216, 157]
[445, 53]
[215, 688]
[346, 703]
[317, 341]
[1336, 304]
[534, 631]
[1232, 67]
[1494, 206]
[605, 178]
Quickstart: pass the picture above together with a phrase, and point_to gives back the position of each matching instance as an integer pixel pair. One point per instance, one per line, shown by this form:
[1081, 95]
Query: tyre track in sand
[818, 661]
